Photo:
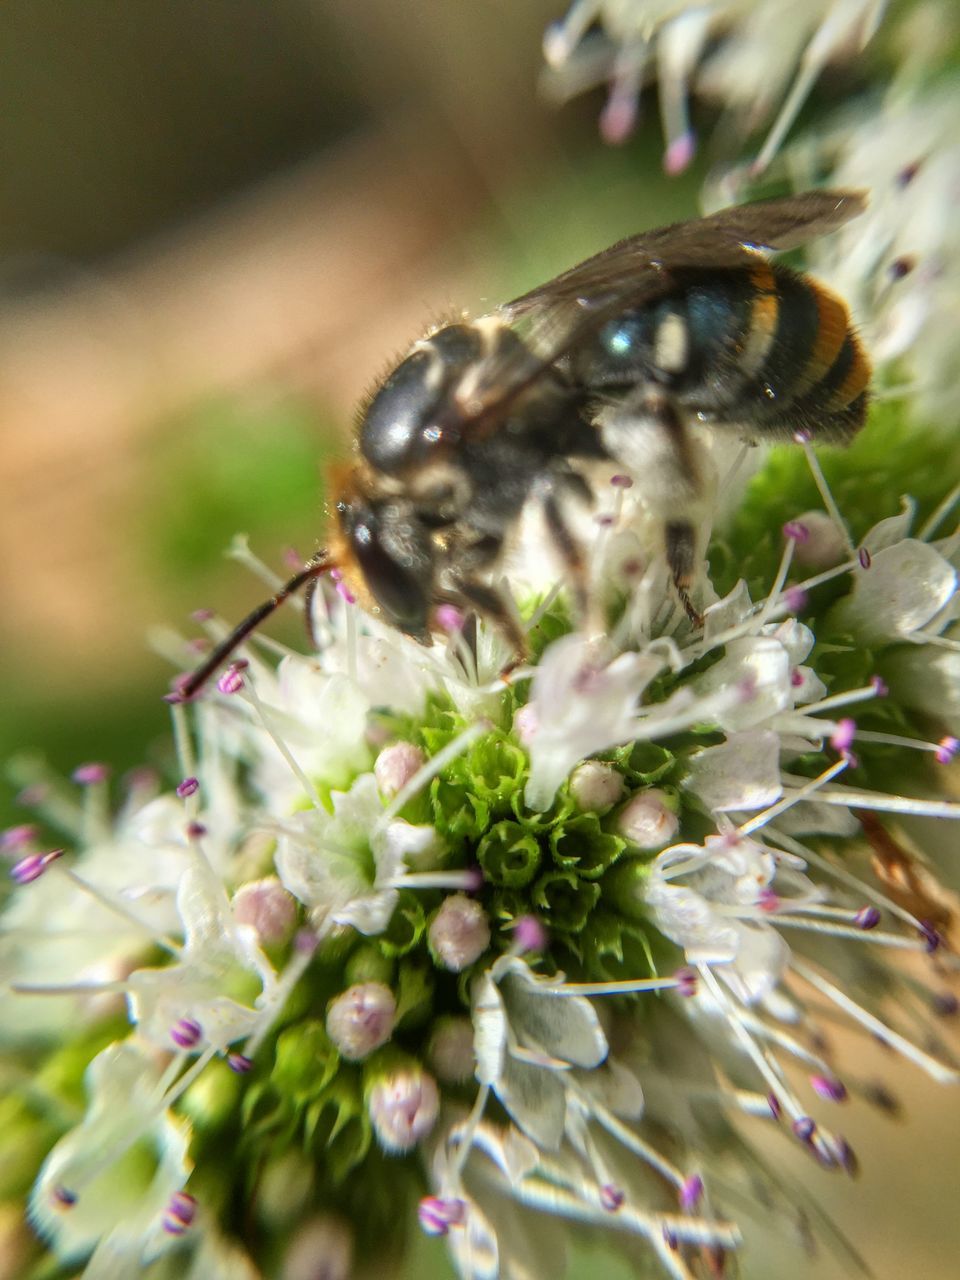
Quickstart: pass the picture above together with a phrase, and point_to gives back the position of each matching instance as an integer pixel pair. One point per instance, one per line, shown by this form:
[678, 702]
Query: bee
[623, 358]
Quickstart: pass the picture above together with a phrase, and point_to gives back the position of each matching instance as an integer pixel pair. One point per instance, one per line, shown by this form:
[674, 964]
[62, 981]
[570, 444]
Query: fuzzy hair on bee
[624, 358]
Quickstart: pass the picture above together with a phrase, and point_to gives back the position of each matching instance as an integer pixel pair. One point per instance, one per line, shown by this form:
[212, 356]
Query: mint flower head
[525, 956]
[545, 947]
[759, 59]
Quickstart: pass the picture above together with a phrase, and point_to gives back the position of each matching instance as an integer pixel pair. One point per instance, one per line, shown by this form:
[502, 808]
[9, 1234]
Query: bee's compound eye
[395, 563]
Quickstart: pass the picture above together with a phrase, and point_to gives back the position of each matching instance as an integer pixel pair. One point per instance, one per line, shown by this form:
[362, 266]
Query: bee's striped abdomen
[819, 376]
[761, 348]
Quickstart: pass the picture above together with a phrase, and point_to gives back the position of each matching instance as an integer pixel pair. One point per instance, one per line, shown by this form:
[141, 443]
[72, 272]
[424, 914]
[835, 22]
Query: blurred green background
[219, 220]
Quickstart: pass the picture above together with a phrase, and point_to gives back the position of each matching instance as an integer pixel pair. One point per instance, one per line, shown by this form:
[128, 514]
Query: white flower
[320, 716]
[742, 773]
[717, 912]
[526, 1036]
[186, 1004]
[343, 866]
[54, 931]
[108, 1184]
[905, 589]
[583, 702]
[898, 265]
[742, 53]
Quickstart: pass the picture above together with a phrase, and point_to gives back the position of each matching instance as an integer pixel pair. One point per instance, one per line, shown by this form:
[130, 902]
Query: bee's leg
[649, 435]
[490, 604]
[681, 546]
[570, 552]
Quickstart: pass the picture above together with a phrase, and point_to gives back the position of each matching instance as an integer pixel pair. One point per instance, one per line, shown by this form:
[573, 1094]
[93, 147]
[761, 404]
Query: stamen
[773, 595]
[469, 880]
[849, 798]
[437, 1214]
[183, 742]
[864, 694]
[691, 1193]
[307, 784]
[829, 1088]
[239, 550]
[180, 1213]
[530, 935]
[767, 1066]
[794, 797]
[467, 1132]
[841, 739]
[678, 50]
[231, 681]
[33, 866]
[681, 981]
[305, 945]
[937, 1070]
[628, 1139]
[820, 480]
[939, 515]
[186, 1033]
[120, 909]
[893, 940]
[19, 837]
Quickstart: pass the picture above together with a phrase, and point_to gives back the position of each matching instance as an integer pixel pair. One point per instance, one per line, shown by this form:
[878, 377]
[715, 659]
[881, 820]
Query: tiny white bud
[268, 908]
[823, 547]
[395, 766]
[451, 1049]
[322, 1249]
[647, 821]
[403, 1108]
[361, 1019]
[525, 723]
[596, 787]
[284, 1189]
[459, 933]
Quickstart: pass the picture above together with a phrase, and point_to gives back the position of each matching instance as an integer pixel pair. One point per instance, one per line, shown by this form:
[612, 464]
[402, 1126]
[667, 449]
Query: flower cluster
[411, 939]
[757, 58]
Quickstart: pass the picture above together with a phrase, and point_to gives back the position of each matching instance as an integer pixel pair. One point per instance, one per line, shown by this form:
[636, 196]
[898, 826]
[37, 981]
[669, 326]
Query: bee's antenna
[315, 566]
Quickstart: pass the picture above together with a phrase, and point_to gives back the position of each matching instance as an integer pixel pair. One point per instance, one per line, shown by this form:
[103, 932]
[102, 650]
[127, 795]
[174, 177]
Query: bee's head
[392, 556]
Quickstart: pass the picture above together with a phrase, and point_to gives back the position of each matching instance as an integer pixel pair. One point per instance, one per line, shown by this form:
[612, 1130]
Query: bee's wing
[637, 269]
[559, 315]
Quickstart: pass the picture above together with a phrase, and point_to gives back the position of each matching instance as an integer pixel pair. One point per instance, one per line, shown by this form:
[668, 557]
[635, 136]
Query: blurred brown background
[218, 221]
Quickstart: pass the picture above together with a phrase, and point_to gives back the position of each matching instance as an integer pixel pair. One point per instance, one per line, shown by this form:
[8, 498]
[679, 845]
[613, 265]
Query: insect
[622, 358]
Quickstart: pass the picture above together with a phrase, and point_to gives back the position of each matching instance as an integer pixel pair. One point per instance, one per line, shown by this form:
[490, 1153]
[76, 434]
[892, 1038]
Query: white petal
[726, 613]
[583, 703]
[742, 773]
[687, 919]
[615, 1087]
[811, 818]
[489, 1030]
[892, 530]
[565, 1027]
[905, 587]
[761, 958]
[121, 1200]
[535, 1100]
[927, 679]
[369, 914]
[760, 666]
